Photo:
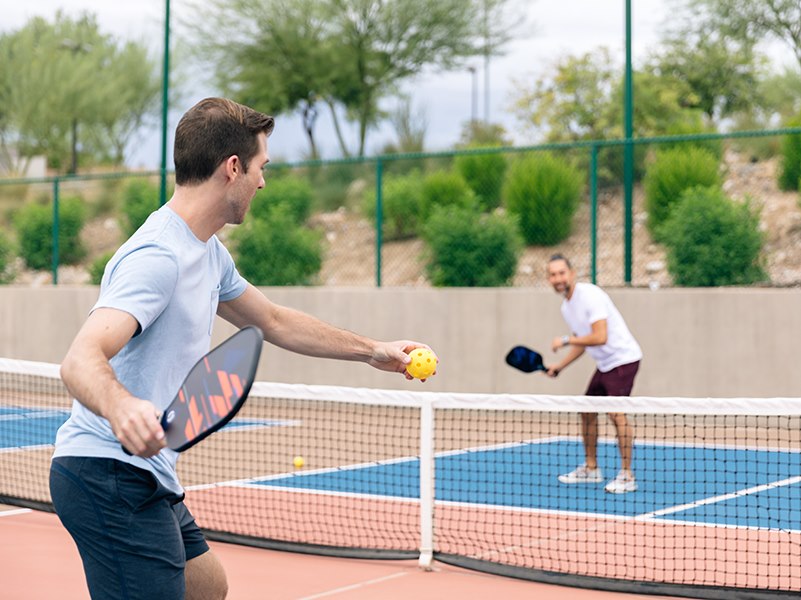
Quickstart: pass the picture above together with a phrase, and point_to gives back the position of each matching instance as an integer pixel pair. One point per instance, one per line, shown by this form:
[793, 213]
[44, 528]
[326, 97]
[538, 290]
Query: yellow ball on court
[298, 461]
[423, 363]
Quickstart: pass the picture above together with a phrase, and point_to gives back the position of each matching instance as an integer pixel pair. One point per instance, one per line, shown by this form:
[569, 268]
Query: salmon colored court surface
[40, 562]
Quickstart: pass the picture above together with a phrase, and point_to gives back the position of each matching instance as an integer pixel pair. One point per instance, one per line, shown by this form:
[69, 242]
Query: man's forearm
[303, 333]
[584, 341]
[92, 382]
[574, 353]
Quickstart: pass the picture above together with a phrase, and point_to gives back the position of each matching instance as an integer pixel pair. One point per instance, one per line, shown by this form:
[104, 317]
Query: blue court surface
[716, 485]
[731, 486]
[22, 428]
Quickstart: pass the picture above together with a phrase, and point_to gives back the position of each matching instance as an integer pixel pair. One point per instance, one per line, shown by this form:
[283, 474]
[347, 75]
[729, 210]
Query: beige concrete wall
[697, 342]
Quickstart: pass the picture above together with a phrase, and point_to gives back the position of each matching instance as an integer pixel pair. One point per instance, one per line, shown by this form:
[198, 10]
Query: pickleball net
[471, 480]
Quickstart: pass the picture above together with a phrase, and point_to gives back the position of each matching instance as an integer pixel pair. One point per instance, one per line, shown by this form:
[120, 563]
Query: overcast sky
[554, 28]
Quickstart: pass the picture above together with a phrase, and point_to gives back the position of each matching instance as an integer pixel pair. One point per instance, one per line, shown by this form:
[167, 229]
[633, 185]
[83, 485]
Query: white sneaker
[624, 482]
[582, 474]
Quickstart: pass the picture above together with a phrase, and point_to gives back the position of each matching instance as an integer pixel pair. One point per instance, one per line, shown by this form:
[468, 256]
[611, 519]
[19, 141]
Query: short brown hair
[213, 130]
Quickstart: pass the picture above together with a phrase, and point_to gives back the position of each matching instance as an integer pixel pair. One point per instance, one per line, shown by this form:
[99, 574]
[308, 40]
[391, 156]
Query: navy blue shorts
[617, 382]
[133, 534]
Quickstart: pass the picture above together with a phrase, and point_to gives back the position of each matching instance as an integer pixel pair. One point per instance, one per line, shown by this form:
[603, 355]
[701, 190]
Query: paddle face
[214, 390]
[525, 359]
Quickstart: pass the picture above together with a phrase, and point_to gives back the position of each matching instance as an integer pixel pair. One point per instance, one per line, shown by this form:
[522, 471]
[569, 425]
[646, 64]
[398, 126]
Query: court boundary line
[9, 449]
[655, 516]
[32, 413]
[15, 512]
[234, 425]
[355, 586]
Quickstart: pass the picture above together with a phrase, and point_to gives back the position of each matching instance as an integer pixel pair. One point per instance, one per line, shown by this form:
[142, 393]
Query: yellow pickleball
[423, 363]
[298, 461]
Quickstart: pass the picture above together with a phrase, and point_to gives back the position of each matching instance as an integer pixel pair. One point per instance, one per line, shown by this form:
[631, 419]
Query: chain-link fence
[472, 217]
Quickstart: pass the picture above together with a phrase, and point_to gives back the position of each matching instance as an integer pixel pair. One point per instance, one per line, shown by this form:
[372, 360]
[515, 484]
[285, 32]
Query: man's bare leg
[205, 578]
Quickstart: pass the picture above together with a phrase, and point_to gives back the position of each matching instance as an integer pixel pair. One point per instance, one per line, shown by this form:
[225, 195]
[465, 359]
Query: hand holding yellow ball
[423, 363]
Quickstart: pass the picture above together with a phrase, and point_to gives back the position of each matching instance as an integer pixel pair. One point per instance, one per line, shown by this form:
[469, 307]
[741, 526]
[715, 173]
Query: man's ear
[233, 167]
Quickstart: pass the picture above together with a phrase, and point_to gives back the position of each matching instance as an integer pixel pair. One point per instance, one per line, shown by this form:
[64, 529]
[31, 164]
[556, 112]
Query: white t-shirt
[171, 282]
[590, 304]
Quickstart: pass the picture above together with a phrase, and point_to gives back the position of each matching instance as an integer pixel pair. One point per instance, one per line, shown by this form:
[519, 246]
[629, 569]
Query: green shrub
[278, 251]
[331, 183]
[108, 199]
[470, 249]
[755, 148]
[98, 266]
[543, 193]
[401, 201]
[6, 259]
[294, 195]
[484, 174]
[444, 188]
[790, 170]
[139, 199]
[712, 240]
[11, 197]
[413, 164]
[692, 123]
[34, 226]
[672, 172]
[611, 163]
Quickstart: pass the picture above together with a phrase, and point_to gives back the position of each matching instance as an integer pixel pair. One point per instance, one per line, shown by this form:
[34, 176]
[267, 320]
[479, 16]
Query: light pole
[165, 104]
[486, 64]
[473, 94]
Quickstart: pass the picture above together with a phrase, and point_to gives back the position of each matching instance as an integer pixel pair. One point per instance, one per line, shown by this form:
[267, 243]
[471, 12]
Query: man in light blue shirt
[153, 320]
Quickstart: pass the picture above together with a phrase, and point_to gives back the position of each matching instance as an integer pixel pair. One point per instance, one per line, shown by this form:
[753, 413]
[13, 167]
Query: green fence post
[55, 230]
[379, 219]
[628, 153]
[594, 214]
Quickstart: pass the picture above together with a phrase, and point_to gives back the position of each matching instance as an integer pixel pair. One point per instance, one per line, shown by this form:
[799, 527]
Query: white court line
[605, 521]
[11, 513]
[355, 586]
[723, 497]
[248, 482]
[651, 517]
[251, 424]
[39, 414]
[256, 482]
[25, 448]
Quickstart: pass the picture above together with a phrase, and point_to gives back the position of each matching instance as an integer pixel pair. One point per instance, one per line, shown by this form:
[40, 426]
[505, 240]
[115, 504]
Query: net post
[426, 485]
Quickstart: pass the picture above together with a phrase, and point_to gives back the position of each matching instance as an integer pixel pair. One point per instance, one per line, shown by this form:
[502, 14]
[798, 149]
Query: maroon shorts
[617, 382]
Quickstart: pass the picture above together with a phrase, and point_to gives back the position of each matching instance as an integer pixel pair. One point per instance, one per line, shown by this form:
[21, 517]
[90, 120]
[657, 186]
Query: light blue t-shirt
[171, 282]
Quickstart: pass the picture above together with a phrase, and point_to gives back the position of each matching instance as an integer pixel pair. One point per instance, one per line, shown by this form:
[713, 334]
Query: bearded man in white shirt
[596, 326]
